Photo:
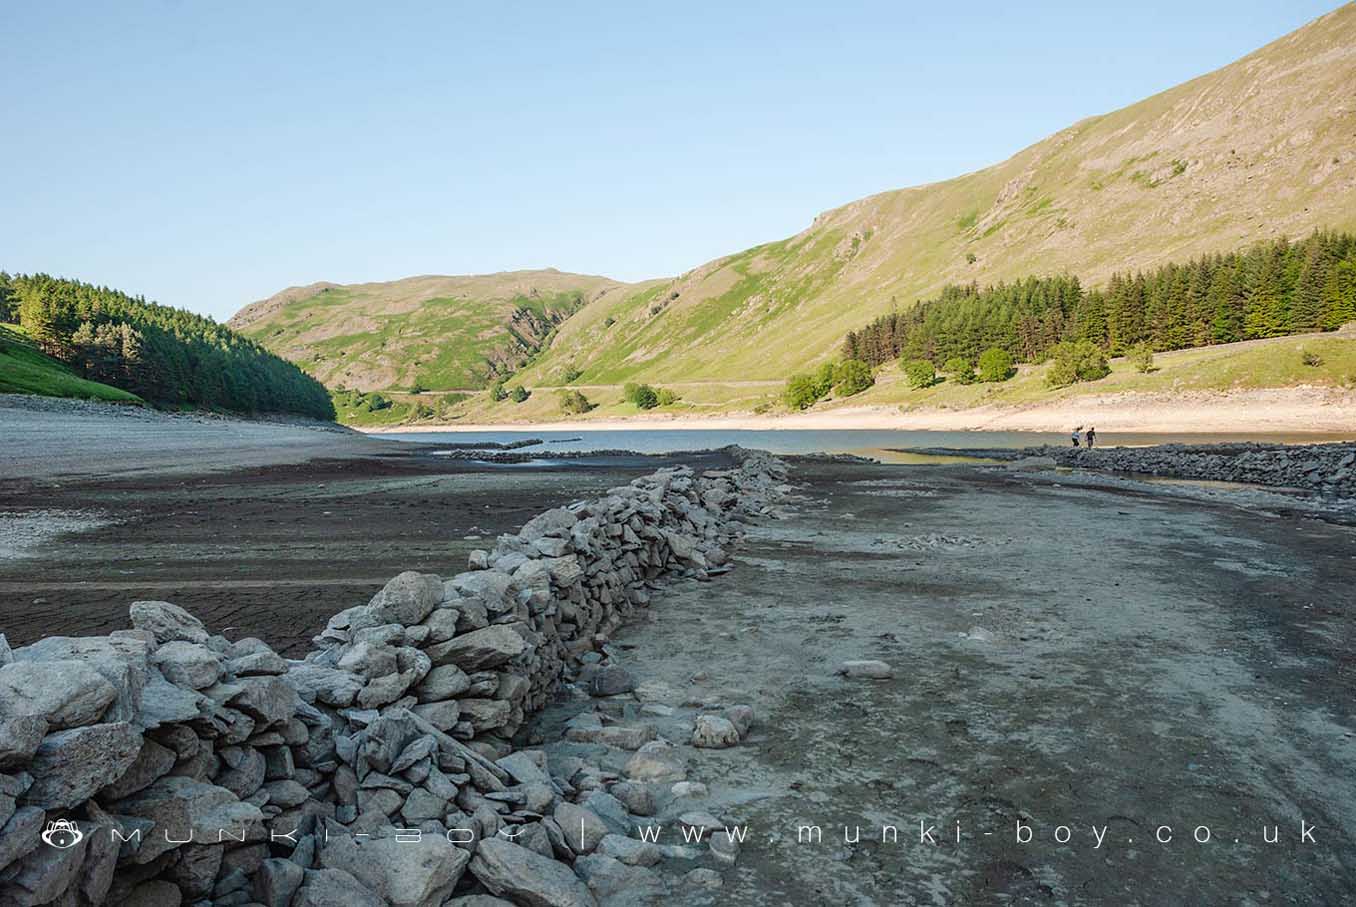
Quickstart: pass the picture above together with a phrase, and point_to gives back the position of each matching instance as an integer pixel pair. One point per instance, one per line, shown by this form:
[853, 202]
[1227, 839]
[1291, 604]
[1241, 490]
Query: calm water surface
[865, 442]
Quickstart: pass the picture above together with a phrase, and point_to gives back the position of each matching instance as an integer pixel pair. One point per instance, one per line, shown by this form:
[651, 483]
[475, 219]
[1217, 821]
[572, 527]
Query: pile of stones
[164, 765]
[1325, 468]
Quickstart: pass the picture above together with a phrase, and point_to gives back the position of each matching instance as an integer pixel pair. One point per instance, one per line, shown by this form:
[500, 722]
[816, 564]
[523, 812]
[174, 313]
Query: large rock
[611, 681]
[196, 869]
[121, 660]
[485, 714]
[255, 663]
[411, 667]
[656, 761]
[19, 738]
[44, 875]
[187, 664]
[637, 798]
[69, 766]
[442, 715]
[407, 599]
[153, 761]
[610, 878]
[318, 683]
[714, 732]
[276, 881]
[443, 682]
[557, 522]
[527, 878]
[406, 873]
[19, 836]
[625, 736]
[583, 829]
[101, 862]
[480, 649]
[164, 703]
[184, 807]
[66, 693]
[524, 769]
[631, 851]
[866, 668]
[268, 700]
[334, 888]
[488, 587]
[167, 622]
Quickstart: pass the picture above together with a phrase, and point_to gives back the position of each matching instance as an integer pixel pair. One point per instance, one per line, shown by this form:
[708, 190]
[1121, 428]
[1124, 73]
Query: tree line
[1269, 290]
[165, 355]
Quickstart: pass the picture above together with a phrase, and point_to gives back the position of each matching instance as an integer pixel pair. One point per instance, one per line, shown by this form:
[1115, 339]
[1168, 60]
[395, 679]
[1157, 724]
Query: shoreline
[1302, 411]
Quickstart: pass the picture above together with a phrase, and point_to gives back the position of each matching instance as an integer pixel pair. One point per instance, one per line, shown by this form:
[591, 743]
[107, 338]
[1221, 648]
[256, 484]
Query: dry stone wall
[165, 765]
[1325, 468]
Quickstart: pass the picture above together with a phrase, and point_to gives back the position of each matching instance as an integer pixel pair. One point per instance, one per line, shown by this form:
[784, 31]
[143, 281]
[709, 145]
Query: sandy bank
[42, 438]
[1300, 409]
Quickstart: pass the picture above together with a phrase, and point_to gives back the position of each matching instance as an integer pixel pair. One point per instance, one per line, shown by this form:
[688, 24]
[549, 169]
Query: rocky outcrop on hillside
[165, 765]
[1325, 468]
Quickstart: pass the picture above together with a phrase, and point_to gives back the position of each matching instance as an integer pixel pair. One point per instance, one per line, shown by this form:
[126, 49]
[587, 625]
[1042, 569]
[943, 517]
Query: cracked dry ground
[1091, 656]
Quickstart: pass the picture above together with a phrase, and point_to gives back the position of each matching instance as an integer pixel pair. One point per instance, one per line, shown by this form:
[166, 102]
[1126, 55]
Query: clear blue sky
[208, 154]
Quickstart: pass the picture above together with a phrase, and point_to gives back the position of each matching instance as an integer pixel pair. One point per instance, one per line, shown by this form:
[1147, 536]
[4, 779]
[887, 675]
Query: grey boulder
[526, 877]
[333, 888]
[403, 873]
[167, 622]
[611, 681]
[714, 732]
[67, 693]
[19, 738]
[187, 664]
[480, 649]
[407, 599]
[69, 766]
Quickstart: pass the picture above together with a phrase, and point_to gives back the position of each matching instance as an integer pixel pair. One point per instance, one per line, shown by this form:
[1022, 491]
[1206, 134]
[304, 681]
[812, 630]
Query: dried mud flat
[1067, 652]
[271, 552]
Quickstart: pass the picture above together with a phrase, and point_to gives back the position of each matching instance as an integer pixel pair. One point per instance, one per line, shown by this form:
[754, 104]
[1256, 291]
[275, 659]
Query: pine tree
[1199, 312]
[1306, 308]
[1266, 314]
[1226, 300]
[1339, 296]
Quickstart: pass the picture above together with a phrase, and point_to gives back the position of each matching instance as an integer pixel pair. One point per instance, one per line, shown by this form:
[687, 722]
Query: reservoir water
[879, 443]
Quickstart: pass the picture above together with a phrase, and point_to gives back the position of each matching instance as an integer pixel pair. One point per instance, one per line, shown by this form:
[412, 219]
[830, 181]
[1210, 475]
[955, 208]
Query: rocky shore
[1326, 468]
[164, 765]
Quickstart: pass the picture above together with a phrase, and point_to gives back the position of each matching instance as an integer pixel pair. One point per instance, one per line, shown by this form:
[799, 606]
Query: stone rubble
[388, 767]
[1325, 468]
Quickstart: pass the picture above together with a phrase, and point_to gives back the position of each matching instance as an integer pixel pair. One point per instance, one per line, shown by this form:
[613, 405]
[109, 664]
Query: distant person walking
[1074, 436]
[1092, 437]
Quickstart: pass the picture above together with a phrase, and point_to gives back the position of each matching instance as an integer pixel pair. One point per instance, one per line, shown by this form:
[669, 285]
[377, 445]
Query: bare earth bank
[1257, 411]
[44, 437]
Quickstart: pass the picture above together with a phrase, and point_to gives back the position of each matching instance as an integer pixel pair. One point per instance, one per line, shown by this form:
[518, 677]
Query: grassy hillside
[25, 370]
[435, 333]
[1249, 365]
[1264, 147]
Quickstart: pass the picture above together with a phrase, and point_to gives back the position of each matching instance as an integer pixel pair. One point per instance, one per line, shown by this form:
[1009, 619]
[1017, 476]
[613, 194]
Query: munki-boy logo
[62, 833]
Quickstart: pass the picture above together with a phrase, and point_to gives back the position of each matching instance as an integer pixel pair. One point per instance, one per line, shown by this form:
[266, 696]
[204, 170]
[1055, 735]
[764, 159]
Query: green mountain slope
[169, 356]
[1264, 147]
[436, 333]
